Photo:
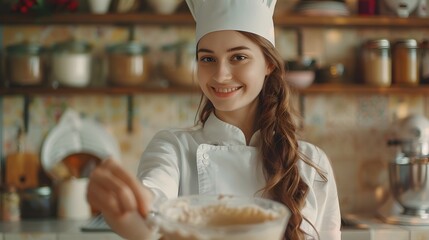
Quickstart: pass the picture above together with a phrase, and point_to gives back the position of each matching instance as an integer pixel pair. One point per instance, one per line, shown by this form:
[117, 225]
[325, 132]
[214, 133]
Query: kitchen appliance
[409, 173]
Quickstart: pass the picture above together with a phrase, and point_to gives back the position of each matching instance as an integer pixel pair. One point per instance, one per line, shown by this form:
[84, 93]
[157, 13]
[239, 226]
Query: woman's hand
[122, 199]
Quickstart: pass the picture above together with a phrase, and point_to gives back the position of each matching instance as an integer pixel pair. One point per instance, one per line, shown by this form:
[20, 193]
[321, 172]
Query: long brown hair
[279, 143]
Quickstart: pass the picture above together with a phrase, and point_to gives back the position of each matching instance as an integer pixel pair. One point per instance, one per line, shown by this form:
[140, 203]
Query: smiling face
[231, 71]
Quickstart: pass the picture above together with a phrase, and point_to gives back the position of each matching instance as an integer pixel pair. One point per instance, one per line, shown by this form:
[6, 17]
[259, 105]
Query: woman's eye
[239, 57]
[207, 59]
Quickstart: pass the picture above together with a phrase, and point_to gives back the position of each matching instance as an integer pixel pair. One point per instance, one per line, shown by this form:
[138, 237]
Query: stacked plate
[322, 8]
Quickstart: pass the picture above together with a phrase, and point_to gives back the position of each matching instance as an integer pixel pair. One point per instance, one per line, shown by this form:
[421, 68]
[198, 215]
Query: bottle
[10, 205]
[367, 7]
[424, 64]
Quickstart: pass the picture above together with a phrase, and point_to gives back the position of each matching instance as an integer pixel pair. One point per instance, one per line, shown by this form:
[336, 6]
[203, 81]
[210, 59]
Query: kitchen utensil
[411, 137]
[75, 135]
[409, 183]
[300, 79]
[408, 172]
[22, 167]
[221, 217]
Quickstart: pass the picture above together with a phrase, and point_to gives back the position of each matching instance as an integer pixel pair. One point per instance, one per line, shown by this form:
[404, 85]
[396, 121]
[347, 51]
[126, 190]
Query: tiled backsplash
[351, 128]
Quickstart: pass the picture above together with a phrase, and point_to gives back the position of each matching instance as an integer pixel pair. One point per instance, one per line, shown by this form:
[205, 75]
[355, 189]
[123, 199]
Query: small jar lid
[377, 43]
[184, 45]
[72, 46]
[25, 48]
[407, 43]
[131, 47]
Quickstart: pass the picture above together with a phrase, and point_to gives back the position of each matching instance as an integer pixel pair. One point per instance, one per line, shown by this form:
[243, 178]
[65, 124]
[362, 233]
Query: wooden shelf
[113, 90]
[286, 20]
[314, 89]
[364, 89]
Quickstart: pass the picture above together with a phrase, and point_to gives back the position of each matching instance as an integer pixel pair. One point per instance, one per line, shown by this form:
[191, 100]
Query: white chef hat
[255, 16]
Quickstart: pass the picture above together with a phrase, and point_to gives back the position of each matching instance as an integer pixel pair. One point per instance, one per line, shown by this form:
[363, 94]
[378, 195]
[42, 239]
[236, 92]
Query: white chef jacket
[215, 159]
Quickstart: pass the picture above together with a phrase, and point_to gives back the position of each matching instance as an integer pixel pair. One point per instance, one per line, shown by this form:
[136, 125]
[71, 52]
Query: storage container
[405, 62]
[71, 63]
[376, 63]
[25, 64]
[128, 64]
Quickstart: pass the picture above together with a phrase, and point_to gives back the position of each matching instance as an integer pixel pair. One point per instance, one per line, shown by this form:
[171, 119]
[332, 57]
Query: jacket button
[206, 162]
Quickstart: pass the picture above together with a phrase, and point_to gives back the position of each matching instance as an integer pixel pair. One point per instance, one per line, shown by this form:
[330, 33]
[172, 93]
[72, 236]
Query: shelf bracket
[26, 112]
[130, 113]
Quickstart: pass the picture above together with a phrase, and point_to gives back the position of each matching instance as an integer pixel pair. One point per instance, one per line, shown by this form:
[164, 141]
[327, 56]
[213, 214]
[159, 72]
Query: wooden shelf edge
[290, 20]
[314, 89]
[364, 89]
[95, 91]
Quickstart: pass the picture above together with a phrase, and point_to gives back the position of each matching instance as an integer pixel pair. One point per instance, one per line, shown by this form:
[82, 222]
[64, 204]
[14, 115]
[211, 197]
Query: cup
[72, 203]
[99, 6]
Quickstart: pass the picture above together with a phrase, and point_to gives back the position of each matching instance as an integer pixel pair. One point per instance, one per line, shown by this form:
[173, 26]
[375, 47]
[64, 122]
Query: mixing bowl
[409, 183]
[221, 218]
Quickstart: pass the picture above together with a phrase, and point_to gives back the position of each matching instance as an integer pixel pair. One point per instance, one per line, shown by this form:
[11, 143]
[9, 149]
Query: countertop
[363, 227]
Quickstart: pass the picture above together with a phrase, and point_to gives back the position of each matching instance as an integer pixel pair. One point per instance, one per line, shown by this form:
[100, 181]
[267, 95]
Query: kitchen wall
[351, 128]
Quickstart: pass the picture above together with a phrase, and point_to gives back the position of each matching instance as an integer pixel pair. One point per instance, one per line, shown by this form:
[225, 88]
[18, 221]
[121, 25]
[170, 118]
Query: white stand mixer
[409, 174]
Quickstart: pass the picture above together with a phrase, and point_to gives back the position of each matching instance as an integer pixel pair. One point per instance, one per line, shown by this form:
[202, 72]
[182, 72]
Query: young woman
[245, 142]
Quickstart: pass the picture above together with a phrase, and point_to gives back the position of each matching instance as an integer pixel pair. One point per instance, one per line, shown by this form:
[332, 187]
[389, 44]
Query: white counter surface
[373, 229]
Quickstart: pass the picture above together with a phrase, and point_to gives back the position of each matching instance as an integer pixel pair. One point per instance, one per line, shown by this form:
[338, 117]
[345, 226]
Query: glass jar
[71, 63]
[376, 62]
[178, 64]
[405, 62]
[128, 64]
[424, 76]
[25, 64]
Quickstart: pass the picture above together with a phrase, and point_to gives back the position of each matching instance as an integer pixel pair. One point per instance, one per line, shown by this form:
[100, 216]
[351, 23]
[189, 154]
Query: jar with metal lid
[376, 63]
[424, 72]
[25, 64]
[405, 62]
[178, 63]
[71, 63]
[128, 64]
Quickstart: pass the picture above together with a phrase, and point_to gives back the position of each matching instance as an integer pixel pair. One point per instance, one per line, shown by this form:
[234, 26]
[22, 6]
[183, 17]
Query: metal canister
[406, 62]
[424, 76]
[376, 62]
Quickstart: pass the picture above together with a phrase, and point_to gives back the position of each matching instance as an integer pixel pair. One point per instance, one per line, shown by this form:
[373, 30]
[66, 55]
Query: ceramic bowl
[222, 217]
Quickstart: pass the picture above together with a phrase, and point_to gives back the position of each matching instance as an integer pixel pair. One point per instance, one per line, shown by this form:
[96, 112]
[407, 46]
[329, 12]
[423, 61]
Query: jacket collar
[218, 132]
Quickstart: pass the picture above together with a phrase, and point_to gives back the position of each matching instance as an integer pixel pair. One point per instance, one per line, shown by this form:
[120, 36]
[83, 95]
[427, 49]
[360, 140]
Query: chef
[245, 141]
